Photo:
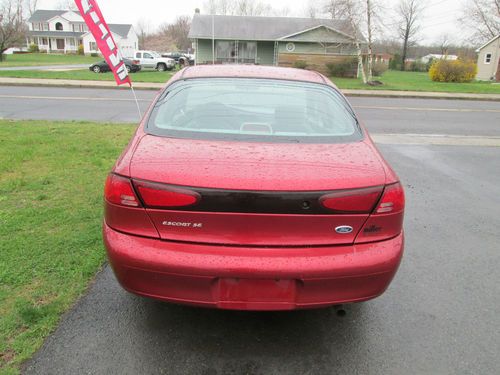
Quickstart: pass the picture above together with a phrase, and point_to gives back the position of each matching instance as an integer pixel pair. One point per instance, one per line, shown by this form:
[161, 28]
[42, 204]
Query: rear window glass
[253, 109]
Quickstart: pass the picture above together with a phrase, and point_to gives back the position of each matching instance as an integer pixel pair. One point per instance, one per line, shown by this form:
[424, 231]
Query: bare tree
[12, 25]
[311, 9]
[444, 43]
[334, 9]
[409, 13]
[369, 29]
[66, 5]
[178, 32]
[143, 30]
[353, 11]
[483, 18]
[32, 6]
[252, 8]
[222, 7]
[237, 7]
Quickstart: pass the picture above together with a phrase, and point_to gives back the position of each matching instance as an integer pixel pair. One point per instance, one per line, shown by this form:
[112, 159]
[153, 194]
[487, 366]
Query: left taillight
[123, 211]
[156, 195]
[118, 190]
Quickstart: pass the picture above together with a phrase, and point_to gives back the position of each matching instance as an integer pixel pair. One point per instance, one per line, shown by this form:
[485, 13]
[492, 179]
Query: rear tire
[161, 67]
[96, 69]
[128, 68]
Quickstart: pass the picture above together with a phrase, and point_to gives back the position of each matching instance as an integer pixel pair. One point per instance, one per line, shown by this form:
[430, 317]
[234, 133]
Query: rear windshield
[253, 109]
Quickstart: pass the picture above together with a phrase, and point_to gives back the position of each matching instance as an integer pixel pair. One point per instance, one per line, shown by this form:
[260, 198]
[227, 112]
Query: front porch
[54, 44]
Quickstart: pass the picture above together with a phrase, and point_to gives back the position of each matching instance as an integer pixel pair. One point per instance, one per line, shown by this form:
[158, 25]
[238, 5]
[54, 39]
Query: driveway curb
[8, 81]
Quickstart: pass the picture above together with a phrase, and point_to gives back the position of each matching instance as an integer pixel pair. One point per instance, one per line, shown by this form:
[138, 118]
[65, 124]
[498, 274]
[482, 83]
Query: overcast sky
[440, 16]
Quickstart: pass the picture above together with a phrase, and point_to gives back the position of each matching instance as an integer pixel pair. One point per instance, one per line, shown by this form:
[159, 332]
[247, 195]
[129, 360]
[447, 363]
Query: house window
[44, 41]
[290, 47]
[71, 42]
[247, 52]
[92, 46]
[59, 26]
[45, 27]
[36, 26]
[487, 58]
[225, 51]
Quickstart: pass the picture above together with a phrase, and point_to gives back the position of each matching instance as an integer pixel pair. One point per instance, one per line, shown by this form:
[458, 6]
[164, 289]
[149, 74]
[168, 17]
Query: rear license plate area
[256, 294]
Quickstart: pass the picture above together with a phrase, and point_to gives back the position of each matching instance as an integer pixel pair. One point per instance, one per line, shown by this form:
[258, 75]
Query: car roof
[249, 71]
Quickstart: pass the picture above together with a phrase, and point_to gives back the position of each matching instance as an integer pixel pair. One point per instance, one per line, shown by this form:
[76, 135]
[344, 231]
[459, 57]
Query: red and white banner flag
[98, 27]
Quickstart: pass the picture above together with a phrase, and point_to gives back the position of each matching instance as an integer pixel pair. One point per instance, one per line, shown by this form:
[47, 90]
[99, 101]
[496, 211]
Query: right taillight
[386, 220]
[393, 200]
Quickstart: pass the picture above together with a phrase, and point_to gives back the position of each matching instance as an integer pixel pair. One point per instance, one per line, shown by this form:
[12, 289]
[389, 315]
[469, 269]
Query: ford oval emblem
[343, 229]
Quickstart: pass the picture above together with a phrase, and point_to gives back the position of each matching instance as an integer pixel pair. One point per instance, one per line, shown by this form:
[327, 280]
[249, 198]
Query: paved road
[439, 316]
[381, 115]
[46, 67]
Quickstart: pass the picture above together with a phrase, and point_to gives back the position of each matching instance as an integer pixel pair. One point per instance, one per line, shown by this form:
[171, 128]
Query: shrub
[33, 48]
[94, 54]
[378, 69]
[345, 68]
[453, 71]
[395, 63]
[418, 66]
[300, 64]
[80, 49]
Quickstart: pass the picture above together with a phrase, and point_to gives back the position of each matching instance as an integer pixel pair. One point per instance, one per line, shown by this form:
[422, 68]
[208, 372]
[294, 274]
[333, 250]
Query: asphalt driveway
[440, 315]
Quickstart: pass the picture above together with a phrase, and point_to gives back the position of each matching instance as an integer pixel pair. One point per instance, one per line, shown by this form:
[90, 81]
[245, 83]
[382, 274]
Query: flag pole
[136, 102]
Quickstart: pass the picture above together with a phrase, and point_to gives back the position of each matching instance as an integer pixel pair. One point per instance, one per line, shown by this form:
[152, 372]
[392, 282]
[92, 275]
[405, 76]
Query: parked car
[102, 66]
[153, 60]
[180, 58]
[253, 188]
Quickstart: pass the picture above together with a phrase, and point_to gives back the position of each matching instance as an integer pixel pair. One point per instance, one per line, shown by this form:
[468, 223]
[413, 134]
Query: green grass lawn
[87, 75]
[34, 59]
[414, 81]
[51, 182]
[393, 80]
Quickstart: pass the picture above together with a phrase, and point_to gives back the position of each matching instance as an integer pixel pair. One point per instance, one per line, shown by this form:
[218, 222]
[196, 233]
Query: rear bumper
[247, 278]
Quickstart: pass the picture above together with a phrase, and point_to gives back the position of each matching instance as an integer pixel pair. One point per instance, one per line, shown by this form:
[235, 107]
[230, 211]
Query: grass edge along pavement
[51, 181]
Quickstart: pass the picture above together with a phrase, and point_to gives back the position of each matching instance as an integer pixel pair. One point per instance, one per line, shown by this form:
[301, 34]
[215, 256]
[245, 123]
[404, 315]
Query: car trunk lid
[255, 194]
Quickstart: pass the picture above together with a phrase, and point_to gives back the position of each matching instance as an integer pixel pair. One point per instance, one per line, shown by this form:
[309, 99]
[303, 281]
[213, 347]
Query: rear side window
[254, 109]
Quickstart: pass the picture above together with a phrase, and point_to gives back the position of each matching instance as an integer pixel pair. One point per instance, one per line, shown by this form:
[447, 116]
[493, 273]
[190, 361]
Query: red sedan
[253, 188]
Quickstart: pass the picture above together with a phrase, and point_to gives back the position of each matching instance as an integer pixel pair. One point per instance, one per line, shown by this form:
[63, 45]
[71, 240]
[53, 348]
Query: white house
[64, 30]
[488, 61]
[435, 56]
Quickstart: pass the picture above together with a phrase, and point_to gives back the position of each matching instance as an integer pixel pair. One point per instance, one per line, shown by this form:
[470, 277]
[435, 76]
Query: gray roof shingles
[259, 28]
[120, 29]
[43, 15]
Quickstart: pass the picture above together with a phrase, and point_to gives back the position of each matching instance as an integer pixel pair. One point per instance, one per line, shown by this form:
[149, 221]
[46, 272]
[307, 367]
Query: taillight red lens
[118, 190]
[352, 201]
[386, 220]
[392, 201]
[159, 195]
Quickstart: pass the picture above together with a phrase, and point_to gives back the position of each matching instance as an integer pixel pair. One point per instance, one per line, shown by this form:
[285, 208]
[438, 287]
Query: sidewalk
[6, 81]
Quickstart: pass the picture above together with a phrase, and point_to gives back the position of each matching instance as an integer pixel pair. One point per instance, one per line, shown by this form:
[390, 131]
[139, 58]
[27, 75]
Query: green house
[272, 40]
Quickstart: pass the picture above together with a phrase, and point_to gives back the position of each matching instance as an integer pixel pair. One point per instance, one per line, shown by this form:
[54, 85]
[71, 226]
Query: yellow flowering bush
[453, 71]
